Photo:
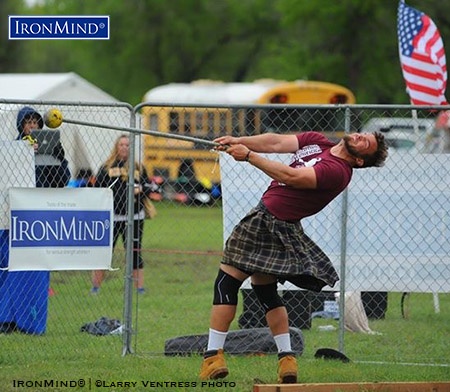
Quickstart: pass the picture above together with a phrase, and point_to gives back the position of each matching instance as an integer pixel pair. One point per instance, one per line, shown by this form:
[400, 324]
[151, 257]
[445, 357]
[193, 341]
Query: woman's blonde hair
[112, 158]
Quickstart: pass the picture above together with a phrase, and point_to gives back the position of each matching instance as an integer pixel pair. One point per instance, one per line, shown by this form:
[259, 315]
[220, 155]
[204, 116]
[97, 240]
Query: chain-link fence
[42, 312]
[387, 235]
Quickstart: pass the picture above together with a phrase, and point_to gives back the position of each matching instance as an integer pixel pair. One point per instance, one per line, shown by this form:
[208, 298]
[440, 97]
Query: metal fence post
[343, 255]
[128, 289]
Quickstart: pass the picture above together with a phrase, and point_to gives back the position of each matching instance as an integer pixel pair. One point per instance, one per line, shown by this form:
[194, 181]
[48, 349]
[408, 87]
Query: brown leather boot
[214, 367]
[287, 369]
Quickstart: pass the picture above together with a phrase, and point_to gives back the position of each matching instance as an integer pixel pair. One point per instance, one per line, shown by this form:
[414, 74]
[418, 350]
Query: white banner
[60, 229]
[398, 221]
[17, 170]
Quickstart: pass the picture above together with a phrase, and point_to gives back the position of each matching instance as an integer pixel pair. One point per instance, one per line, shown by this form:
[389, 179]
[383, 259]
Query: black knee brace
[226, 289]
[268, 296]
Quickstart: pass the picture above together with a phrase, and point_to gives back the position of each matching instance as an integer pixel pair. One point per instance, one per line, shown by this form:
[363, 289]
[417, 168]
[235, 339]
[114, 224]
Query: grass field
[182, 255]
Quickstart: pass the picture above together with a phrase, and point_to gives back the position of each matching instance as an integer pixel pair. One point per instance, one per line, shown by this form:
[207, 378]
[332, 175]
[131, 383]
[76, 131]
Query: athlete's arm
[301, 177]
[266, 143]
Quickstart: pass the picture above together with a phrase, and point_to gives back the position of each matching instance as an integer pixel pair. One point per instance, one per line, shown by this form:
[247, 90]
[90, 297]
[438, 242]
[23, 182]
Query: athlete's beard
[351, 150]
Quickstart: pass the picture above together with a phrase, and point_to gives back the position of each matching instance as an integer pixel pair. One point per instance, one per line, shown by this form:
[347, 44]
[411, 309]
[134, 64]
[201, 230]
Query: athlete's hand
[239, 152]
[225, 142]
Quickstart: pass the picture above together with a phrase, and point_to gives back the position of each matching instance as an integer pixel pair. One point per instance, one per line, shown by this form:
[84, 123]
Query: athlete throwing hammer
[269, 244]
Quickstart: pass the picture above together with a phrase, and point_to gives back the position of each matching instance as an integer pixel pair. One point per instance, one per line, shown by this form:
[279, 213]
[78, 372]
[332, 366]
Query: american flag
[422, 57]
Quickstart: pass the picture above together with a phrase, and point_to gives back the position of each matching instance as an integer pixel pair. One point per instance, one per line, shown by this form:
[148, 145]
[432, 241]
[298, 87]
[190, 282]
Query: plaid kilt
[262, 243]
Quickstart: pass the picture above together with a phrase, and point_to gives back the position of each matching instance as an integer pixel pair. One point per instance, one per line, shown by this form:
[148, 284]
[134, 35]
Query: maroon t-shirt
[333, 175]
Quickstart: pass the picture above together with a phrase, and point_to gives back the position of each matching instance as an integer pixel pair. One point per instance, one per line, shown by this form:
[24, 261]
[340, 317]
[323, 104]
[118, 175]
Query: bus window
[187, 123]
[237, 120]
[252, 122]
[223, 123]
[199, 123]
[153, 120]
[211, 125]
[249, 122]
[174, 122]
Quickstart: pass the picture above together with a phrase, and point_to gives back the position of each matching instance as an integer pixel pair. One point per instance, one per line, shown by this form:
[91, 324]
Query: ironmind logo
[59, 27]
[43, 228]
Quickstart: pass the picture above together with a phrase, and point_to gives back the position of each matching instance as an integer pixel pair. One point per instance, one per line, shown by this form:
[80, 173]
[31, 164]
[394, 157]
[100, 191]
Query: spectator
[114, 174]
[25, 294]
[47, 176]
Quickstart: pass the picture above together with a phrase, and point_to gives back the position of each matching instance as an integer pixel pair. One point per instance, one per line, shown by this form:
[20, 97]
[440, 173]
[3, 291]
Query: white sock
[283, 342]
[216, 339]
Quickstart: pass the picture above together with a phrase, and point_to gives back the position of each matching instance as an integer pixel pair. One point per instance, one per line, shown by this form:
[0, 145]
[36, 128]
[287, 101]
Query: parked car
[409, 134]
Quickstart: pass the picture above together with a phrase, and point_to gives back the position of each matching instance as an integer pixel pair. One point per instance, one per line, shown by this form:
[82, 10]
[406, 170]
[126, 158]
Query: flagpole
[417, 56]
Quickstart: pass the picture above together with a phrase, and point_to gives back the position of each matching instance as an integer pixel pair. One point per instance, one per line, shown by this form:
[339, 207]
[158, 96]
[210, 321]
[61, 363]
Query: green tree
[159, 42]
[352, 42]
[154, 42]
[11, 53]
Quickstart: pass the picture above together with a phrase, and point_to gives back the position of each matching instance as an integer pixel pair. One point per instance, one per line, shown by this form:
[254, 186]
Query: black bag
[103, 326]
[245, 341]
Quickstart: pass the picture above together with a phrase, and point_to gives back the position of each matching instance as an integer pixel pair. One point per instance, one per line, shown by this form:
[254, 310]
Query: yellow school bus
[222, 110]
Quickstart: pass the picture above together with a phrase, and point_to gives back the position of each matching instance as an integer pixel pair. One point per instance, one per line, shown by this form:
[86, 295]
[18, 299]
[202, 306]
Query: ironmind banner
[48, 228]
[60, 228]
